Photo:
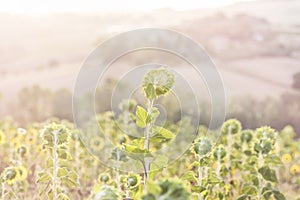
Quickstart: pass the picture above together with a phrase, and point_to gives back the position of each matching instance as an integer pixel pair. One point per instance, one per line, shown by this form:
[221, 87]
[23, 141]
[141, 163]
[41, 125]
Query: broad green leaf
[49, 163]
[44, 177]
[272, 159]
[63, 196]
[160, 161]
[163, 133]
[213, 179]
[278, 195]
[62, 172]
[249, 190]
[137, 153]
[243, 197]
[150, 91]
[154, 114]
[198, 189]
[141, 117]
[189, 176]
[153, 188]
[268, 174]
[50, 194]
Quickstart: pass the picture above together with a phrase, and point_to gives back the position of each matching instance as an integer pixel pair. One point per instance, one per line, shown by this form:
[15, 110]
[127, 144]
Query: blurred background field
[254, 44]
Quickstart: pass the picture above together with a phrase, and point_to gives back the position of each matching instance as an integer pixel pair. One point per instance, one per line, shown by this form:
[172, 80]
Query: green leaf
[278, 195]
[198, 189]
[163, 133]
[213, 179]
[153, 188]
[141, 117]
[272, 159]
[136, 152]
[50, 194]
[268, 174]
[49, 163]
[243, 197]
[267, 192]
[159, 162]
[63, 196]
[154, 114]
[150, 91]
[249, 190]
[255, 180]
[62, 172]
[70, 182]
[44, 177]
[189, 176]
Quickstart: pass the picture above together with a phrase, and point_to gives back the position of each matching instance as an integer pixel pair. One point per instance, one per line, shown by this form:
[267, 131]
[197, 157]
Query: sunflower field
[56, 160]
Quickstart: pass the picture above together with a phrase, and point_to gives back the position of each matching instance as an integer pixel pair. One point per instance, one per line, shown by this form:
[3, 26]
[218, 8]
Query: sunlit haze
[49, 6]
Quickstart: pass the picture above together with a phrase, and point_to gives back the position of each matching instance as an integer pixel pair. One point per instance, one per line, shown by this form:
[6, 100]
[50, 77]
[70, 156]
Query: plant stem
[228, 147]
[77, 157]
[147, 137]
[55, 167]
[3, 190]
[118, 170]
[219, 163]
[200, 174]
[260, 179]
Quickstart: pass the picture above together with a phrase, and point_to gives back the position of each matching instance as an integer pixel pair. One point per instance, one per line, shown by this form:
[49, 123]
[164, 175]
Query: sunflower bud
[231, 126]
[219, 152]
[104, 178]
[202, 146]
[246, 136]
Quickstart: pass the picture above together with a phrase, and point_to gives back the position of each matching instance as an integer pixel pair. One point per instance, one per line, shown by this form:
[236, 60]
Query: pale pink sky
[49, 6]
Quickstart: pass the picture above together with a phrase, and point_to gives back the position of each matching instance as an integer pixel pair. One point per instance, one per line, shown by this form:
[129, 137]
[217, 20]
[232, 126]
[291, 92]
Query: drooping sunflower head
[231, 126]
[133, 180]
[219, 152]
[266, 132]
[22, 150]
[263, 146]
[55, 133]
[246, 136]
[104, 178]
[202, 146]
[157, 82]
[10, 175]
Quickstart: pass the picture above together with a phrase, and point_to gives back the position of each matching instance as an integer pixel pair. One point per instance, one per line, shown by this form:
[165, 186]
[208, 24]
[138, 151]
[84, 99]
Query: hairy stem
[118, 171]
[55, 167]
[3, 190]
[260, 179]
[147, 137]
[200, 174]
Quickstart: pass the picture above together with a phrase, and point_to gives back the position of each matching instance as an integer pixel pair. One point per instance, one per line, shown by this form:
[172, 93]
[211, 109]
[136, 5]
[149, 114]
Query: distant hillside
[255, 44]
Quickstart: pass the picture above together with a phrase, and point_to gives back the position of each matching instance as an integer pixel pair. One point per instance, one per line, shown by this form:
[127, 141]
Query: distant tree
[296, 81]
[33, 104]
[62, 104]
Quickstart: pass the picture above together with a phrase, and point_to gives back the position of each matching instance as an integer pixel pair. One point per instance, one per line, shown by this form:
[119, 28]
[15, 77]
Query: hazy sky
[48, 6]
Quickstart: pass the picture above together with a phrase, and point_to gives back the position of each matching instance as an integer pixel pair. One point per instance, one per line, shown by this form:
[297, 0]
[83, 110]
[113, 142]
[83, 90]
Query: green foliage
[166, 189]
[57, 176]
[55, 164]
